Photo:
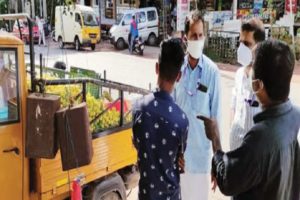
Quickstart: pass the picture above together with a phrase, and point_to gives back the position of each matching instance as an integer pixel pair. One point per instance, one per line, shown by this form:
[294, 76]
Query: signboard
[245, 4]
[264, 14]
[258, 5]
[218, 17]
[288, 5]
[183, 8]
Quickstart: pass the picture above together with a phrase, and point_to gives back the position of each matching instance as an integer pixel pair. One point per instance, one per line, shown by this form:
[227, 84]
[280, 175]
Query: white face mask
[195, 48]
[244, 55]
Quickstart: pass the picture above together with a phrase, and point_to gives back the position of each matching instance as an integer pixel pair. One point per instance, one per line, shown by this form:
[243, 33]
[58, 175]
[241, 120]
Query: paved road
[140, 71]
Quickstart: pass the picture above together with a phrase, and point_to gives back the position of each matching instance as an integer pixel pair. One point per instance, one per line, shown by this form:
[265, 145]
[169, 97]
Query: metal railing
[222, 46]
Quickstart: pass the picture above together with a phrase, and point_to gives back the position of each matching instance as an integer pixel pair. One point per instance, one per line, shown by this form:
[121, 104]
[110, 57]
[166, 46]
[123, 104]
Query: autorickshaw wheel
[60, 43]
[77, 44]
[112, 188]
[93, 47]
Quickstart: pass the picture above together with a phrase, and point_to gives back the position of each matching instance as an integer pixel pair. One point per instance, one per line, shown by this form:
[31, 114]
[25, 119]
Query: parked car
[25, 31]
[147, 25]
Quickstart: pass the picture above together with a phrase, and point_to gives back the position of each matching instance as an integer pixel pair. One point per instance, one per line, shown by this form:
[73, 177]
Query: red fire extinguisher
[76, 190]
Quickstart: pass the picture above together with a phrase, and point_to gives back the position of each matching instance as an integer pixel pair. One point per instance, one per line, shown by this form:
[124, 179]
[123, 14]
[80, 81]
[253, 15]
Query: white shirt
[243, 112]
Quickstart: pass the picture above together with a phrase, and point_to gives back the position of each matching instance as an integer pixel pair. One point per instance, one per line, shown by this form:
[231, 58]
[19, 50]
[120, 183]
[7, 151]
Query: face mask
[244, 55]
[195, 48]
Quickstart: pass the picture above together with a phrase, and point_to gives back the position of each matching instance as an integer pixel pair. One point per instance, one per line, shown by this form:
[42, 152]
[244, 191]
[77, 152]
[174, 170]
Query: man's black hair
[195, 16]
[259, 32]
[274, 65]
[170, 59]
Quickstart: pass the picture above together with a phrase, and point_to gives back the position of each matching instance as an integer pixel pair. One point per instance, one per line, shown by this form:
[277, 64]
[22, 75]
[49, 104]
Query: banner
[288, 5]
[257, 6]
[183, 8]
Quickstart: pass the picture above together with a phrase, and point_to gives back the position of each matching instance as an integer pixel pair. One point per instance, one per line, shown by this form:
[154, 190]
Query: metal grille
[222, 46]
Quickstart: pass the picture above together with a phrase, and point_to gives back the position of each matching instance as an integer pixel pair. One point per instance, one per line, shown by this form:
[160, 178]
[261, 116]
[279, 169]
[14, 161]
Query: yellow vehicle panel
[91, 33]
[111, 153]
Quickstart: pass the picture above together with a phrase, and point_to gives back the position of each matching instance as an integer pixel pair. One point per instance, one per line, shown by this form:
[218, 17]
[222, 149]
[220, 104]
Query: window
[141, 17]
[9, 95]
[89, 19]
[127, 19]
[127, 2]
[151, 15]
[78, 19]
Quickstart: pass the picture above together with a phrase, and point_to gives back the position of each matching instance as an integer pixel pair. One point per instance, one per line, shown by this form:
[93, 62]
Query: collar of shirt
[187, 66]
[161, 94]
[274, 111]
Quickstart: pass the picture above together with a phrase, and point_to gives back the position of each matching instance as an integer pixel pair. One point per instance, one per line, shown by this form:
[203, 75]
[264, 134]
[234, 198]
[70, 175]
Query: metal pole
[21, 36]
[121, 107]
[32, 63]
[234, 6]
[292, 21]
[99, 7]
[84, 91]
[41, 66]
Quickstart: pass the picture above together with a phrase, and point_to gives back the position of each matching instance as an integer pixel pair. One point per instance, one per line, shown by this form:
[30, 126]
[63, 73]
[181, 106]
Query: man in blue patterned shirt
[160, 130]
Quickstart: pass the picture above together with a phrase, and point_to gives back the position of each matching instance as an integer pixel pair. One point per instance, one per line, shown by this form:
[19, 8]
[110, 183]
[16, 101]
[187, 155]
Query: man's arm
[236, 171]
[215, 99]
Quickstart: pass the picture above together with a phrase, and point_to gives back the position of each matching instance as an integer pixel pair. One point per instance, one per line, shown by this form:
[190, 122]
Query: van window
[127, 19]
[151, 15]
[9, 94]
[142, 17]
[89, 19]
[78, 18]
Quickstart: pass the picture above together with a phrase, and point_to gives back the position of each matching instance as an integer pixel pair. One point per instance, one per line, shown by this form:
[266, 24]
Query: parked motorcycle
[138, 46]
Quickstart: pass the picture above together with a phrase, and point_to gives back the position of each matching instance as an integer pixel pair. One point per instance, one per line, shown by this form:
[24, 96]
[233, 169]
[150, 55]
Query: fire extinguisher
[76, 190]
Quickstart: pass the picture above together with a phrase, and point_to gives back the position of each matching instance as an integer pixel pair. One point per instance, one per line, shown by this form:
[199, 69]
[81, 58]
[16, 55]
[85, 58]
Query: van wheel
[77, 44]
[120, 44]
[111, 188]
[60, 43]
[93, 47]
[152, 40]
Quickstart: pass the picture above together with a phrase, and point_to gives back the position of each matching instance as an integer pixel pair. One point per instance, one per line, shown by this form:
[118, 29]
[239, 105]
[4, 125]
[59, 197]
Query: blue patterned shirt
[160, 132]
[204, 101]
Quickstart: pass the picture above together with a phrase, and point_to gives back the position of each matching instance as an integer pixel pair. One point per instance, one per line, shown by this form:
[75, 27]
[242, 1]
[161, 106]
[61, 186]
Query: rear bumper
[89, 42]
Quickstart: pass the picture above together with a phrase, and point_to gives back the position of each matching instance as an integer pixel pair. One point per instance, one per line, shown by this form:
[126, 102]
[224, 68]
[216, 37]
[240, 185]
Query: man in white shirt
[244, 104]
[40, 24]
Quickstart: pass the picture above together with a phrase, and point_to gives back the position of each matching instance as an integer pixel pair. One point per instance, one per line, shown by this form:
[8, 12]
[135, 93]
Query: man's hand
[181, 163]
[212, 132]
[214, 183]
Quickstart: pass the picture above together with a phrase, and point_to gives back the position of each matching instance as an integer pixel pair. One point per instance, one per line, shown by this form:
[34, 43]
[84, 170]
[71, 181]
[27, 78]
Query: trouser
[42, 37]
[131, 43]
[195, 186]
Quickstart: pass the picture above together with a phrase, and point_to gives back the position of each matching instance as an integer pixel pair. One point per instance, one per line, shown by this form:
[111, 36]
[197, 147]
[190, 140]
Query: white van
[78, 25]
[147, 25]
